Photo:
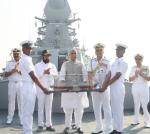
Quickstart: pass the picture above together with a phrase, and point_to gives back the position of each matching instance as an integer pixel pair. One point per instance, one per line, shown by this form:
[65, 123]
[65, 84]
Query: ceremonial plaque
[68, 87]
[145, 70]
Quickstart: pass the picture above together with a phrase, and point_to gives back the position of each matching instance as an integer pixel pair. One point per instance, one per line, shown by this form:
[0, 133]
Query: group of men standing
[105, 75]
[28, 81]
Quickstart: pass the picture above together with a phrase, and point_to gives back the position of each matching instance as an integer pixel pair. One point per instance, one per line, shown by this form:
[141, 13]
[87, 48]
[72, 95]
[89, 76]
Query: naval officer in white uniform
[12, 71]
[140, 90]
[72, 72]
[99, 73]
[28, 89]
[117, 88]
[47, 72]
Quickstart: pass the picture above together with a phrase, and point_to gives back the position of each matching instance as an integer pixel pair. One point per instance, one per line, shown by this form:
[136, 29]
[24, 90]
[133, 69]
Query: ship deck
[58, 122]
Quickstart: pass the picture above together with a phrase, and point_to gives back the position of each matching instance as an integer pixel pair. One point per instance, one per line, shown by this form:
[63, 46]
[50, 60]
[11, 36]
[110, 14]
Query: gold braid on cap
[16, 50]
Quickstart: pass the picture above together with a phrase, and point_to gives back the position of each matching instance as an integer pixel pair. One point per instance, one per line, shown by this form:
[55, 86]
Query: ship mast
[56, 32]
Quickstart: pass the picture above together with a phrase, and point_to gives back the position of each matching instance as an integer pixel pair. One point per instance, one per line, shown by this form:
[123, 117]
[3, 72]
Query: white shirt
[47, 79]
[119, 66]
[9, 67]
[26, 66]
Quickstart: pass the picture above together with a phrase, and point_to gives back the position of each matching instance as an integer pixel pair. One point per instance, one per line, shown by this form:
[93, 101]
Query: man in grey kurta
[72, 73]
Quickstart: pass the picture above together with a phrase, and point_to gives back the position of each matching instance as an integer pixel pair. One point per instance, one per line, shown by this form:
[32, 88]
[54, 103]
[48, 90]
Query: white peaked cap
[99, 45]
[26, 43]
[140, 55]
[121, 45]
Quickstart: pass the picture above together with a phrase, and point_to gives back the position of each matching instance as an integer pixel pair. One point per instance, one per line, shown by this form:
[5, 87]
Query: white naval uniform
[45, 101]
[101, 99]
[13, 90]
[28, 91]
[73, 101]
[117, 93]
[140, 92]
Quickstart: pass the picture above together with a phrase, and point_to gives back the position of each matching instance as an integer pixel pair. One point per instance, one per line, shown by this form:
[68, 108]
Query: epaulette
[10, 61]
[94, 59]
[67, 61]
[106, 60]
[77, 61]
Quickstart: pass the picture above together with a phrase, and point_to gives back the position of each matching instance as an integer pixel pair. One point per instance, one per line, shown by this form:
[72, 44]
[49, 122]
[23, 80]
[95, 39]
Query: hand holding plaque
[144, 71]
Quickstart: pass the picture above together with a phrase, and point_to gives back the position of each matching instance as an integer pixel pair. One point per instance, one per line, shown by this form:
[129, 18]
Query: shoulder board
[106, 61]
[10, 61]
[66, 61]
[93, 60]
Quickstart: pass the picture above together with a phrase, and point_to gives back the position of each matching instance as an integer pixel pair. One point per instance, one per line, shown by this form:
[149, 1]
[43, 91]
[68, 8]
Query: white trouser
[44, 104]
[13, 91]
[99, 100]
[28, 102]
[117, 94]
[78, 113]
[140, 94]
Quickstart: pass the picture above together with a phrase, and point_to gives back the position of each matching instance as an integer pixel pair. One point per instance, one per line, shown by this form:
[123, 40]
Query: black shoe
[113, 132]
[66, 130]
[39, 129]
[50, 128]
[118, 132]
[74, 126]
[97, 132]
[134, 124]
[80, 131]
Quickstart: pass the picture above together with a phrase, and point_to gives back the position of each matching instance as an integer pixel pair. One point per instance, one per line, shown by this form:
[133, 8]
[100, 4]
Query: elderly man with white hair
[140, 90]
[117, 88]
[72, 72]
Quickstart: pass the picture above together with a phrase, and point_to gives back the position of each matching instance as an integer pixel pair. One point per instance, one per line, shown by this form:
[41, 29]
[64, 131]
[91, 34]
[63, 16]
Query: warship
[57, 33]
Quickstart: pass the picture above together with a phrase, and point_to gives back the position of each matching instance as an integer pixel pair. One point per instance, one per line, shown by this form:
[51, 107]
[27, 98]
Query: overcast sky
[106, 21]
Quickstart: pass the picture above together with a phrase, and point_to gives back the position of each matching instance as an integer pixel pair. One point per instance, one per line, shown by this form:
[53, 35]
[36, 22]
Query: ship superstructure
[56, 32]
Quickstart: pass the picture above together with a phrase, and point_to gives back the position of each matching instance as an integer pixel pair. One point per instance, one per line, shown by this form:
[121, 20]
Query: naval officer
[14, 76]
[99, 73]
[28, 89]
[72, 72]
[140, 90]
[117, 89]
[47, 73]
